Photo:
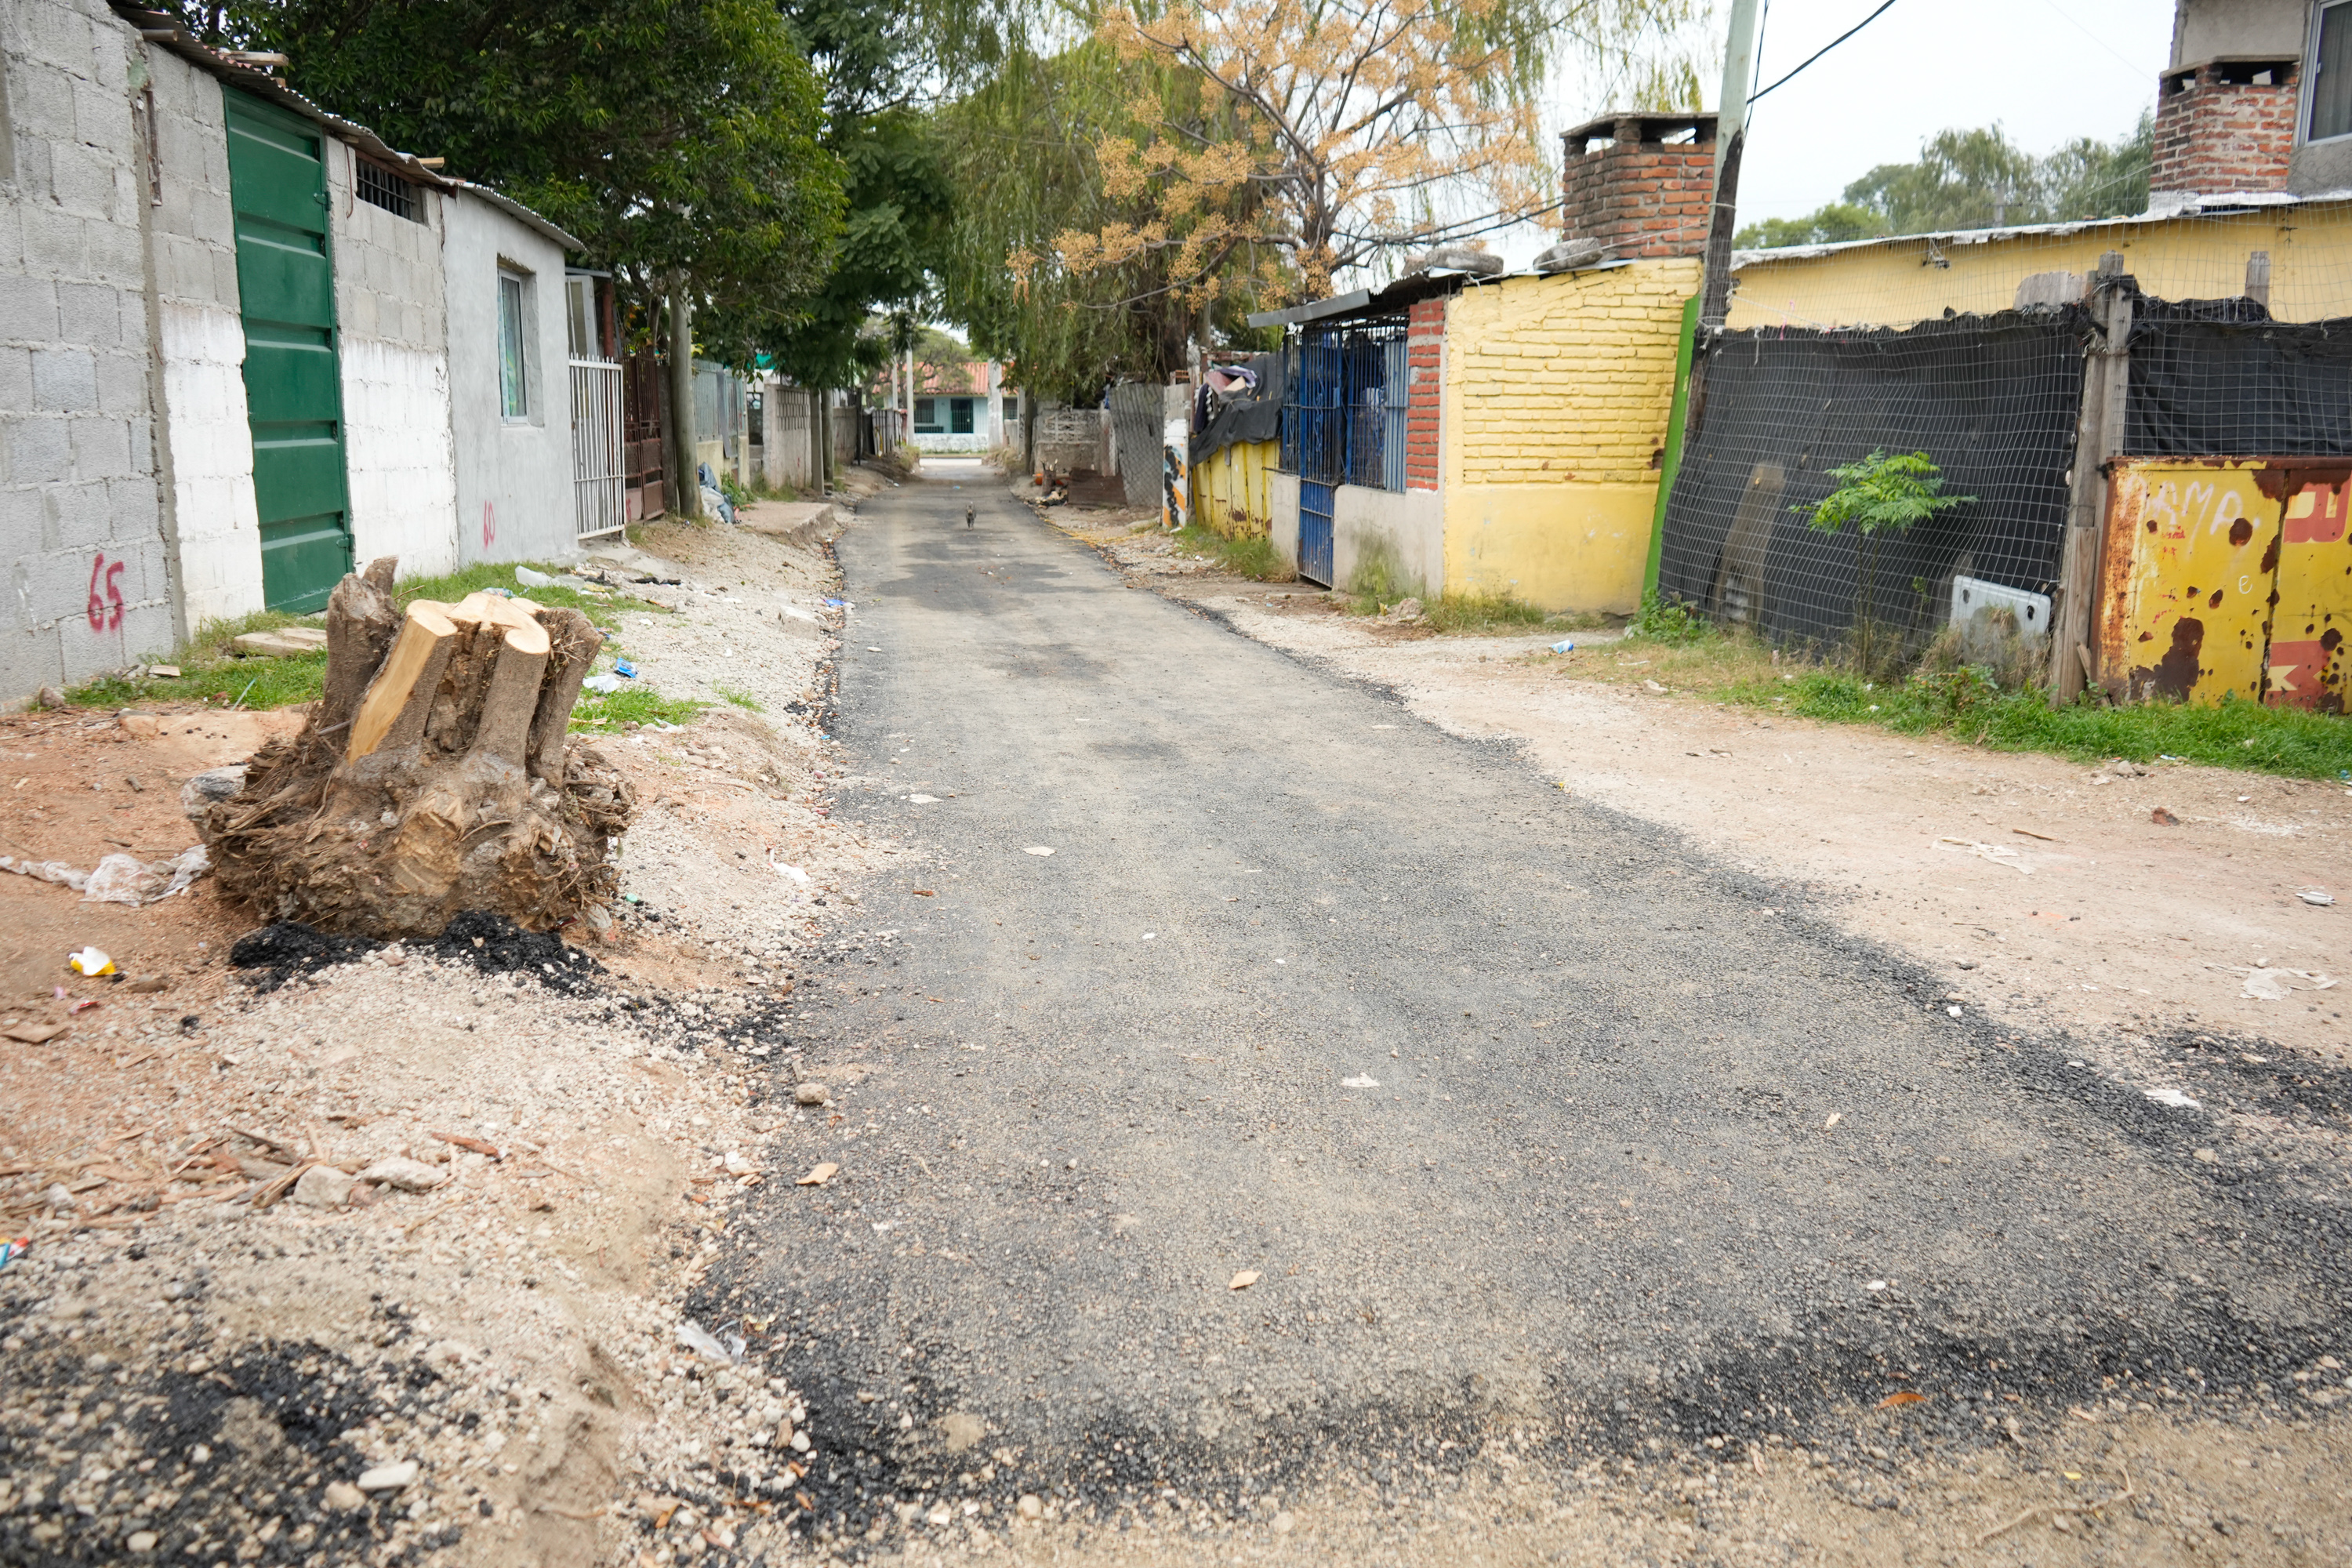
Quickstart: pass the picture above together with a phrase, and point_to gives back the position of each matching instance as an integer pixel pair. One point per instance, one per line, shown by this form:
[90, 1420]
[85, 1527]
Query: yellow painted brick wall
[1897, 283]
[1570, 377]
[1557, 395]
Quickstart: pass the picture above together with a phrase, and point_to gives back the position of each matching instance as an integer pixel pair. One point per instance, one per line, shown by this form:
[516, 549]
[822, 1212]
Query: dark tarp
[2220, 378]
[1257, 418]
[1993, 400]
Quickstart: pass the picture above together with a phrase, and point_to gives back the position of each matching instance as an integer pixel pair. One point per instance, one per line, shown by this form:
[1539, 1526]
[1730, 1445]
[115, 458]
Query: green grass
[603, 609]
[743, 700]
[1250, 556]
[211, 673]
[2235, 733]
[1482, 610]
[599, 714]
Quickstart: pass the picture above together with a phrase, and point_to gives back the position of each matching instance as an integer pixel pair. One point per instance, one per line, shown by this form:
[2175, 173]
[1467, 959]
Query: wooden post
[685, 492]
[2098, 435]
[1730, 140]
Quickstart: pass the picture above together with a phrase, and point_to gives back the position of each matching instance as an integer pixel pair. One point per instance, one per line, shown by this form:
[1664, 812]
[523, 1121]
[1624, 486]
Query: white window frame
[525, 341]
[2311, 74]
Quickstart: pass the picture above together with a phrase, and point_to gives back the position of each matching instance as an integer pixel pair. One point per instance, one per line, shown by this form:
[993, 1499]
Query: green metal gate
[293, 387]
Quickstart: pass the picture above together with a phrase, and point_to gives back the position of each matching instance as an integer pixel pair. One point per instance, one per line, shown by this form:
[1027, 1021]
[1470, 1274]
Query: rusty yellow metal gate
[2226, 576]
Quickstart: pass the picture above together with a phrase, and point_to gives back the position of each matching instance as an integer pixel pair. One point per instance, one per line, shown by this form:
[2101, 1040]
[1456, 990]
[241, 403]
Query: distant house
[963, 408]
[257, 346]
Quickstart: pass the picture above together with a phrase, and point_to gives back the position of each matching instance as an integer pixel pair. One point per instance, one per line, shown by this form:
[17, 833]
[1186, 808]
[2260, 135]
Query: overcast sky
[2047, 71]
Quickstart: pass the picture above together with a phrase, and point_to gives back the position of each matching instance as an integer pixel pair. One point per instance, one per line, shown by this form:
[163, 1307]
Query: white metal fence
[599, 485]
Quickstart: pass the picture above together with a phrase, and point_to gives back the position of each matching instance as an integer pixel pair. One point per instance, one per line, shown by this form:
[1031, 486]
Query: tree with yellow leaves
[1285, 142]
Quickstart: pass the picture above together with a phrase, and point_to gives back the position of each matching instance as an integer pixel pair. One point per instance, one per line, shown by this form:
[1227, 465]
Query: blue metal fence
[1344, 416]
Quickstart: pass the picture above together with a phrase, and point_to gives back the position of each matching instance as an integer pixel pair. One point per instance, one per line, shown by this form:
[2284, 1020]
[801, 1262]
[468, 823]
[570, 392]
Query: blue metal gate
[1315, 532]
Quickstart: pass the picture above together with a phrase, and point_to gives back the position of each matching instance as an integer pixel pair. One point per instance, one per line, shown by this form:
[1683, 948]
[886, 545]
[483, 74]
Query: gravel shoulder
[474, 1357]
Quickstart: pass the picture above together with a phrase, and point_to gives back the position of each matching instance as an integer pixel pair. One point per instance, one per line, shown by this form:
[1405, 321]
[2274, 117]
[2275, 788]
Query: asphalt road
[1528, 1119]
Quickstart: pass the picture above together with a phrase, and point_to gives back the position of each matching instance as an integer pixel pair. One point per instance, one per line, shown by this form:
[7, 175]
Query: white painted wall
[1410, 523]
[394, 325]
[513, 484]
[1282, 500]
[210, 520]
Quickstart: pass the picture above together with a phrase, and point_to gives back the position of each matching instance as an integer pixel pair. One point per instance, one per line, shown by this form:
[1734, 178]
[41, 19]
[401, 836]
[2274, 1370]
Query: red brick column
[2215, 136]
[1426, 348]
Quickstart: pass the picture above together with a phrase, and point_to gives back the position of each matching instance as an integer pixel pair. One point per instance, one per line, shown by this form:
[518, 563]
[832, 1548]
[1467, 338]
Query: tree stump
[435, 774]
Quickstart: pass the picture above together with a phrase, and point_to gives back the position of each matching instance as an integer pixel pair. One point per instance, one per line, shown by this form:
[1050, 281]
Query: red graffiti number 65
[105, 595]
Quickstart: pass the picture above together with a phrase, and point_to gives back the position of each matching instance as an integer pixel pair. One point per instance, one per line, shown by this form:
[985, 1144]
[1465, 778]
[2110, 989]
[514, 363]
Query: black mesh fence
[1992, 400]
[2220, 378]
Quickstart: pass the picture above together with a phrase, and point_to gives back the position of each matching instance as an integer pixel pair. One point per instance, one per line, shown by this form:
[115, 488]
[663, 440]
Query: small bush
[1669, 621]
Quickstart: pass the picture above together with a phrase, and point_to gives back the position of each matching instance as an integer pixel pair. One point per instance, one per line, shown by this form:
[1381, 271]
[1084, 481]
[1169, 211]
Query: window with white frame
[514, 338]
[2331, 73]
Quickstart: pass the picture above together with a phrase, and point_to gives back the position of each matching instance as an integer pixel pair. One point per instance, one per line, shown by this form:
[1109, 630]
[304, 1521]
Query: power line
[1825, 48]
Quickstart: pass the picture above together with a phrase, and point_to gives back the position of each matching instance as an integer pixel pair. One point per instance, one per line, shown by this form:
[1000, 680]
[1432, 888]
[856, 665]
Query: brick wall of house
[1566, 378]
[1425, 346]
[2214, 135]
[1638, 197]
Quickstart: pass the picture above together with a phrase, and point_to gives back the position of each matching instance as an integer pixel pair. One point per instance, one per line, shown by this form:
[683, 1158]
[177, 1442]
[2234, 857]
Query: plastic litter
[622, 667]
[531, 579]
[1361, 1080]
[725, 1346]
[606, 684]
[57, 871]
[2174, 1098]
[14, 1248]
[1564, 646]
[127, 879]
[89, 961]
[2314, 896]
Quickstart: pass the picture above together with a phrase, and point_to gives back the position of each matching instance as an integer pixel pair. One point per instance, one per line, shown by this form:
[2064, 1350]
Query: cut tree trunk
[434, 775]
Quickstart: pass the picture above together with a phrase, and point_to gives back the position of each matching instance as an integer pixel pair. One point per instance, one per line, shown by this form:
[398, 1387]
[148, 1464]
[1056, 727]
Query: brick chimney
[2224, 126]
[1640, 183]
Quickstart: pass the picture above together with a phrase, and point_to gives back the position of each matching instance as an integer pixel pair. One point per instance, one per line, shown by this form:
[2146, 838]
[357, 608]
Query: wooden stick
[575, 642]
[511, 700]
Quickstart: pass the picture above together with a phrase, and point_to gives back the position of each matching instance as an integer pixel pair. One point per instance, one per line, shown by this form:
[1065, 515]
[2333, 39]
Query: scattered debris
[1243, 1280]
[90, 962]
[2315, 896]
[2174, 1098]
[2163, 818]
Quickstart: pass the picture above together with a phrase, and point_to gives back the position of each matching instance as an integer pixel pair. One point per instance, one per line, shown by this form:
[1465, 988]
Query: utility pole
[683, 495]
[1730, 138]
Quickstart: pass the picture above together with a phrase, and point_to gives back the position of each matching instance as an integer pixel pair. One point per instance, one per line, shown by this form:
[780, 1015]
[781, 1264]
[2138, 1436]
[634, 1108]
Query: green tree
[677, 141]
[1977, 179]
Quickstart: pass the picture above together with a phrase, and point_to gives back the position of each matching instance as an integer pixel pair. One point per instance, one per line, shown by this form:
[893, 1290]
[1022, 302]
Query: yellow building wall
[1897, 283]
[1556, 392]
[1230, 492]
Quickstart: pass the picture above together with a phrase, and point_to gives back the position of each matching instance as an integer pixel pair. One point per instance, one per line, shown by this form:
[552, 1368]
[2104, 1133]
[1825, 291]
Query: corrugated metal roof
[2221, 206]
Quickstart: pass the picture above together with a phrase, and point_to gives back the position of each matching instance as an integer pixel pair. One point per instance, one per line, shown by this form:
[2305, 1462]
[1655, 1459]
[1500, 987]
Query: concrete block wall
[199, 341]
[391, 312]
[87, 585]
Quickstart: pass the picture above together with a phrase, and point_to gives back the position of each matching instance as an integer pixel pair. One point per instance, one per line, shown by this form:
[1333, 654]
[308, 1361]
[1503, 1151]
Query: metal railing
[1344, 416]
[599, 477]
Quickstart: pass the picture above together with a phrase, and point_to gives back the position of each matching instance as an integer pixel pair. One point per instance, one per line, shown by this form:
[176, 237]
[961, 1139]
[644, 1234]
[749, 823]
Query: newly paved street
[1530, 1122]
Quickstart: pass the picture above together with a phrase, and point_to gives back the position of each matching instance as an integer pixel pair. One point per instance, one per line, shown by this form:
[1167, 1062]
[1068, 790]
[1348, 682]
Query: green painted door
[293, 388]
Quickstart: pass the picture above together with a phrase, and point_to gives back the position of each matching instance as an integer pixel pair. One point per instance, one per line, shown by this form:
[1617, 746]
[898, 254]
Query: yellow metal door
[2314, 603]
[2190, 565]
